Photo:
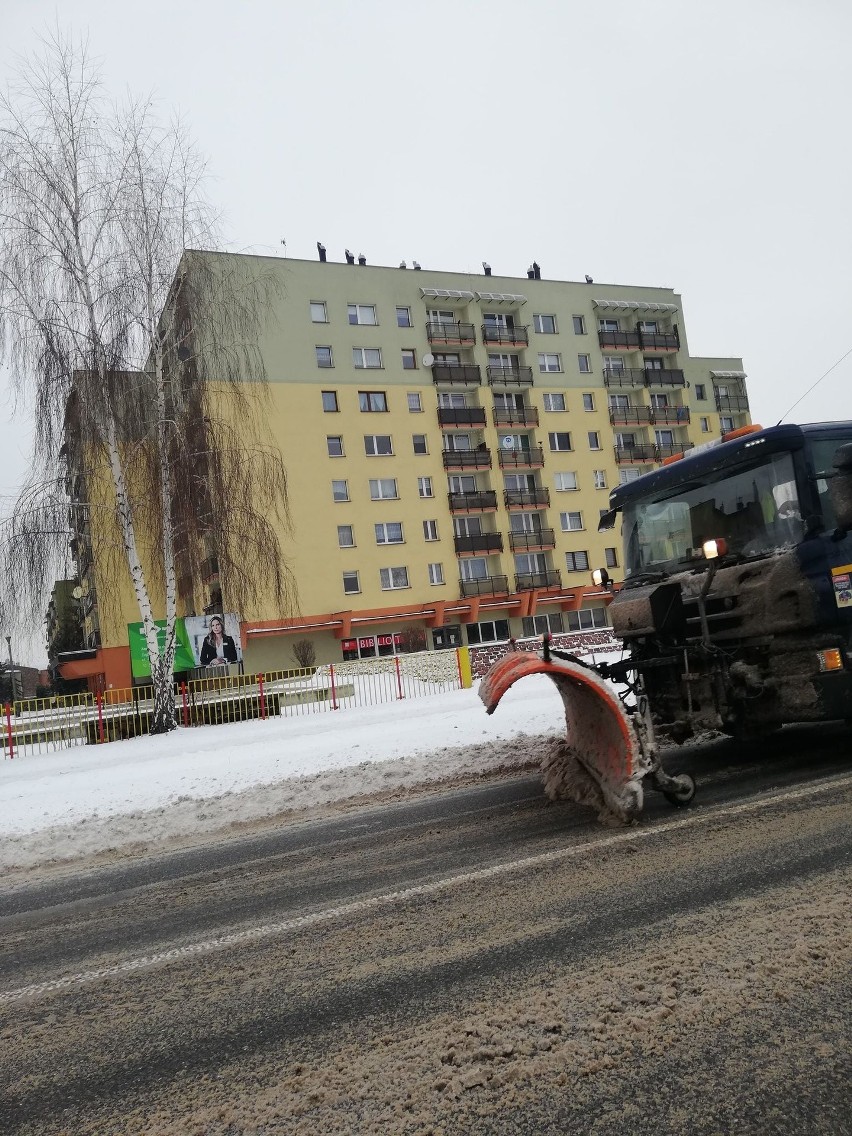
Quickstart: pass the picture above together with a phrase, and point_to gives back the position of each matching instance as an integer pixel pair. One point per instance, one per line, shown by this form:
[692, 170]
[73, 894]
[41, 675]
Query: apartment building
[451, 440]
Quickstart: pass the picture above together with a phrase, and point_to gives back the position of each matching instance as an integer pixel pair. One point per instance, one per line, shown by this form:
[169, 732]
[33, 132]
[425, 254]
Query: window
[554, 402]
[659, 401]
[473, 568]
[588, 402]
[550, 624]
[372, 402]
[392, 578]
[577, 561]
[403, 317]
[420, 444]
[362, 314]
[664, 437]
[565, 482]
[545, 325]
[319, 313]
[625, 475]
[579, 323]
[649, 327]
[705, 425]
[367, 357]
[334, 444]
[700, 391]
[489, 631]
[600, 478]
[389, 533]
[587, 618]
[345, 536]
[571, 522]
[378, 445]
[436, 573]
[559, 441]
[438, 318]
[383, 489]
[613, 365]
[611, 557]
[430, 530]
[594, 440]
[409, 359]
[424, 487]
[607, 325]
[324, 357]
[415, 404]
[329, 402]
[340, 490]
[549, 362]
[351, 583]
[584, 363]
[726, 424]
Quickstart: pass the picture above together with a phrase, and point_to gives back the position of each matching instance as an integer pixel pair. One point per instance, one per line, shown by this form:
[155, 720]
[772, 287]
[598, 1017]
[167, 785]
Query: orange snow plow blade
[600, 735]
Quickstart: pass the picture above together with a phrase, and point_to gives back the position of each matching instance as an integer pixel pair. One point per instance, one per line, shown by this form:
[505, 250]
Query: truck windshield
[754, 507]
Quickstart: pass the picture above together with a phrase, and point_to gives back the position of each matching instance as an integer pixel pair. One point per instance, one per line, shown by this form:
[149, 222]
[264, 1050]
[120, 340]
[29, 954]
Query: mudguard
[599, 732]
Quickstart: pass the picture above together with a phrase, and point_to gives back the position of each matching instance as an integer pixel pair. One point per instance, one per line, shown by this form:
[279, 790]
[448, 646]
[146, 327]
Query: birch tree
[135, 353]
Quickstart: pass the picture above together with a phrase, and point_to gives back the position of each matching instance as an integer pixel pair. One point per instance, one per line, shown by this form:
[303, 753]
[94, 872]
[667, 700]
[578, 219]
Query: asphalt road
[475, 961]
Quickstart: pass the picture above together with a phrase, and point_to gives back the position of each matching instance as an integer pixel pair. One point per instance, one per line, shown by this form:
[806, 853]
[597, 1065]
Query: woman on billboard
[217, 648]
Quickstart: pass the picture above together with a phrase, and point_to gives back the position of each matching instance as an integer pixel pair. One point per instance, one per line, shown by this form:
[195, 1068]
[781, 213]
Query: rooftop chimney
[361, 258]
[416, 265]
[321, 251]
[589, 279]
[402, 264]
[536, 270]
[350, 259]
[486, 268]
[531, 273]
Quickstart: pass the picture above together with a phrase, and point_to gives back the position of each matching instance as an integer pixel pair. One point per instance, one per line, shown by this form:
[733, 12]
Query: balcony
[669, 378]
[526, 581]
[482, 502]
[532, 458]
[630, 416]
[732, 403]
[660, 341]
[455, 334]
[625, 455]
[467, 459]
[450, 419]
[619, 340]
[481, 543]
[505, 336]
[457, 374]
[669, 449]
[670, 415]
[526, 498]
[536, 541]
[630, 377]
[516, 416]
[486, 586]
[510, 376]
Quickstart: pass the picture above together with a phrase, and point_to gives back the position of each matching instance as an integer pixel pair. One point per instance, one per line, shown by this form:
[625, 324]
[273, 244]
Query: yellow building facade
[450, 443]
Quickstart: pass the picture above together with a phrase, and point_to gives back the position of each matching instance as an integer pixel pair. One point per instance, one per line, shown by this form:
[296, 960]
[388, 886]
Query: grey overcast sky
[699, 146]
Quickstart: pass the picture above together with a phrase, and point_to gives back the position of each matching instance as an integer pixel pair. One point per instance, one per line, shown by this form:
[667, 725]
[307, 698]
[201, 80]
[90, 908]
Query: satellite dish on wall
[428, 359]
[508, 443]
[77, 593]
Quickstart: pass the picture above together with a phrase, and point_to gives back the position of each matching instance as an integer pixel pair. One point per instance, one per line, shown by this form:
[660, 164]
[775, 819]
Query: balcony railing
[668, 378]
[479, 543]
[738, 403]
[532, 458]
[455, 333]
[516, 416]
[459, 374]
[467, 459]
[626, 377]
[486, 586]
[669, 449]
[619, 340]
[448, 417]
[481, 502]
[638, 453]
[660, 341]
[510, 376]
[630, 415]
[526, 498]
[509, 336]
[532, 541]
[525, 581]
[670, 415]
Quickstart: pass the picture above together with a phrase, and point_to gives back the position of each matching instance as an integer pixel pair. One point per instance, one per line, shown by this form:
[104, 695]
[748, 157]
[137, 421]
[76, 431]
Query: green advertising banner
[139, 665]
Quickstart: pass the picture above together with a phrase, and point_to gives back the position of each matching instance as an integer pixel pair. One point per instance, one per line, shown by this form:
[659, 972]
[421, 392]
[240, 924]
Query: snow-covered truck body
[735, 613]
[736, 609]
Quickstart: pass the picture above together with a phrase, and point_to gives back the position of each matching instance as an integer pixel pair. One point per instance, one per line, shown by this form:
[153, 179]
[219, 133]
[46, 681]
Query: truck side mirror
[840, 487]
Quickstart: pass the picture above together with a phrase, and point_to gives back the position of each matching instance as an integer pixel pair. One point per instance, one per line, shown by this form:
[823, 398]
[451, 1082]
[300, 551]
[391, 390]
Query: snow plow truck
[735, 613]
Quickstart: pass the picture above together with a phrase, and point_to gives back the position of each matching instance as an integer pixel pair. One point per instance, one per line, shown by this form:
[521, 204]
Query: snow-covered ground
[135, 795]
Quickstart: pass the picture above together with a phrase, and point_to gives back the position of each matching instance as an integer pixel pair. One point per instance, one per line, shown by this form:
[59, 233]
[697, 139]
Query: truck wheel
[683, 792]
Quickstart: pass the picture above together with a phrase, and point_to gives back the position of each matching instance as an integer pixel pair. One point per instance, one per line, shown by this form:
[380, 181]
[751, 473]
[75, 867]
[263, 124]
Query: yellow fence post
[465, 676]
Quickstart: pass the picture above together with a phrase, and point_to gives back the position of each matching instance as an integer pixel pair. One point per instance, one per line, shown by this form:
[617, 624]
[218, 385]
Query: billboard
[208, 641]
